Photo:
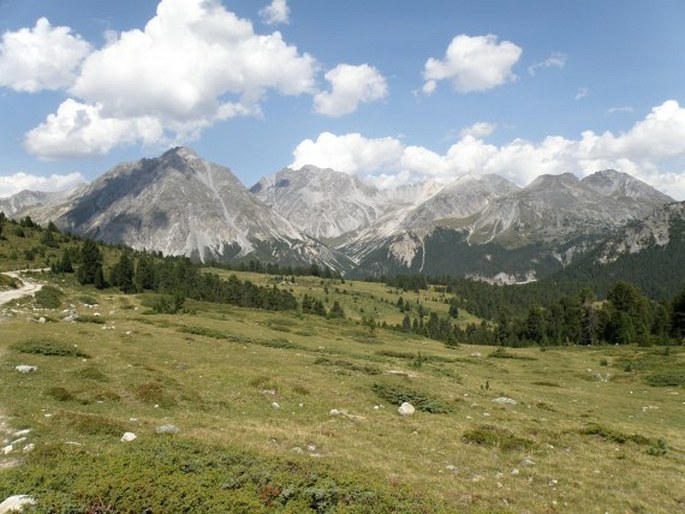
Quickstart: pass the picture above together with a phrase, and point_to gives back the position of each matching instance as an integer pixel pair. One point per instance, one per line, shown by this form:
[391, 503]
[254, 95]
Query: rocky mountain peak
[621, 185]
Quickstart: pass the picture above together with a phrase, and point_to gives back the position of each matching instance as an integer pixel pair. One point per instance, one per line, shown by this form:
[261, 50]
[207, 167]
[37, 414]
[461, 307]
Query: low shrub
[48, 347]
[366, 369]
[396, 395]
[490, 436]
[49, 297]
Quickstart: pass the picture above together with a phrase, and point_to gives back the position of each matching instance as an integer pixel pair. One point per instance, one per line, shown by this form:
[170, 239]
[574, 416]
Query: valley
[256, 410]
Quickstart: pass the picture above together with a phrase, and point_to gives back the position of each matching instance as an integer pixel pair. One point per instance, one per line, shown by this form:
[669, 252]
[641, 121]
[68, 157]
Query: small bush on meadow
[49, 347]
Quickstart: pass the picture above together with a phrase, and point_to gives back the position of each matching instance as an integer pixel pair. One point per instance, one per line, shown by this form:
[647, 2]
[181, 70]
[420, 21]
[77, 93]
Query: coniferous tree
[91, 264]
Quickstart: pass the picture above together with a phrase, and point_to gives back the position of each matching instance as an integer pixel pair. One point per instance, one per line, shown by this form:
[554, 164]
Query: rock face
[19, 204]
[323, 203]
[180, 204]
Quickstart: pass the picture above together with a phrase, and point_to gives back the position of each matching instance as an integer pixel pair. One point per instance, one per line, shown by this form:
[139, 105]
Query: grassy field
[283, 412]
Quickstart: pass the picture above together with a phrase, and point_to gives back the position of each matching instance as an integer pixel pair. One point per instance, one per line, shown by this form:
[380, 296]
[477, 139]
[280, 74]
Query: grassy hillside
[253, 394]
[264, 411]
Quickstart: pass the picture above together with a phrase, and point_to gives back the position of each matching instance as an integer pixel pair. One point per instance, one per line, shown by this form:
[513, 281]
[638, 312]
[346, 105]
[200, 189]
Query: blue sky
[393, 91]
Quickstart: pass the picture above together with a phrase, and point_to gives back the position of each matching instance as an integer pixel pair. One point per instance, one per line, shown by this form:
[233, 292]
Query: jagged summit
[621, 185]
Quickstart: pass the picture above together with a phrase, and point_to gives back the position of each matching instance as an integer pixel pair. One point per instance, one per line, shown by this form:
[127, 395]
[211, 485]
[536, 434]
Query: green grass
[217, 373]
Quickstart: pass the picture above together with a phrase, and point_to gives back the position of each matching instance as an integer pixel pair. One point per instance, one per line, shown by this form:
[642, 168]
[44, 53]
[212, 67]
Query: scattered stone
[515, 472]
[16, 503]
[451, 467]
[275, 405]
[25, 368]
[336, 412]
[128, 437]
[528, 462]
[6, 450]
[476, 354]
[503, 400]
[18, 441]
[167, 429]
[41, 320]
[311, 448]
[28, 448]
[20, 433]
[297, 449]
[406, 409]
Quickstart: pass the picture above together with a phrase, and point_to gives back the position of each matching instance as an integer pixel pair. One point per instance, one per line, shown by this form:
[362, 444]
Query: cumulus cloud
[479, 129]
[12, 184]
[79, 130]
[42, 57]
[654, 144]
[556, 60]
[473, 63]
[193, 64]
[276, 12]
[349, 153]
[350, 86]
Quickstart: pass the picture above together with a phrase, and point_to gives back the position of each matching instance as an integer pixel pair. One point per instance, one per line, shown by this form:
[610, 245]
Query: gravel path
[28, 288]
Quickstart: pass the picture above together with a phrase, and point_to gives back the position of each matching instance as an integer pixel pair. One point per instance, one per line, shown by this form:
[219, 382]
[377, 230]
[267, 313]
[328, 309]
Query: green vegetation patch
[672, 378]
[49, 297]
[490, 436]
[48, 347]
[171, 474]
[366, 369]
[613, 435]
[396, 395]
[90, 318]
[502, 353]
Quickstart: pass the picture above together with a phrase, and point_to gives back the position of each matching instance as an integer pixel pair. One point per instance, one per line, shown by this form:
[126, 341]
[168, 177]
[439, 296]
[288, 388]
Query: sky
[393, 91]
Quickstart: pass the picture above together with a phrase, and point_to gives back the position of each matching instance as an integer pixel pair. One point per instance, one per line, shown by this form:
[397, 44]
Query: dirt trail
[28, 288]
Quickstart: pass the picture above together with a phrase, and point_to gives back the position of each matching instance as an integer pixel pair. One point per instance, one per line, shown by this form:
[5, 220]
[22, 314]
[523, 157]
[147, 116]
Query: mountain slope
[180, 204]
[323, 203]
[517, 234]
[18, 204]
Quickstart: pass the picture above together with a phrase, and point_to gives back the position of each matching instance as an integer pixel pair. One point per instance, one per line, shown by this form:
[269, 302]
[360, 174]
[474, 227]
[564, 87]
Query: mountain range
[480, 226]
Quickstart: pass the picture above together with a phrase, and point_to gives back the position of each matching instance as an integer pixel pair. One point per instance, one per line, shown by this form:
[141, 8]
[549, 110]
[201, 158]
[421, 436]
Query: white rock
[335, 412]
[7, 449]
[24, 368]
[503, 400]
[128, 437]
[167, 429]
[28, 448]
[16, 503]
[311, 448]
[514, 472]
[41, 320]
[275, 405]
[20, 433]
[528, 462]
[406, 409]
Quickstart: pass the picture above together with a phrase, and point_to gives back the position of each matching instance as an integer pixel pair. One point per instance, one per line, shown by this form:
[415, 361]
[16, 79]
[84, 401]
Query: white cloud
[276, 12]
[350, 86]
[622, 109]
[195, 63]
[653, 150]
[12, 184]
[78, 130]
[556, 60]
[479, 129]
[473, 63]
[582, 93]
[43, 57]
[349, 153]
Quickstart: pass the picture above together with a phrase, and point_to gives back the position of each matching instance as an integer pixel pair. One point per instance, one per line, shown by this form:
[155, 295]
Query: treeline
[625, 316]
[271, 268]
[177, 277]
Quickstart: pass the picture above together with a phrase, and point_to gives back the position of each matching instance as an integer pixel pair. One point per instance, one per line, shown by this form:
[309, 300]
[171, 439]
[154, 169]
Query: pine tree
[91, 264]
[336, 311]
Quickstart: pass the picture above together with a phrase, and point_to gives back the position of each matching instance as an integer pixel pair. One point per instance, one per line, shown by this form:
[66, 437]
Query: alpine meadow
[445, 272]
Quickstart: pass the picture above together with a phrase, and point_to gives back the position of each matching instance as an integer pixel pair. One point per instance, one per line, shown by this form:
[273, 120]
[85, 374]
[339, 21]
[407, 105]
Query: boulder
[168, 429]
[128, 437]
[406, 409]
[16, 503]
[24, 368]
[503, 400]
